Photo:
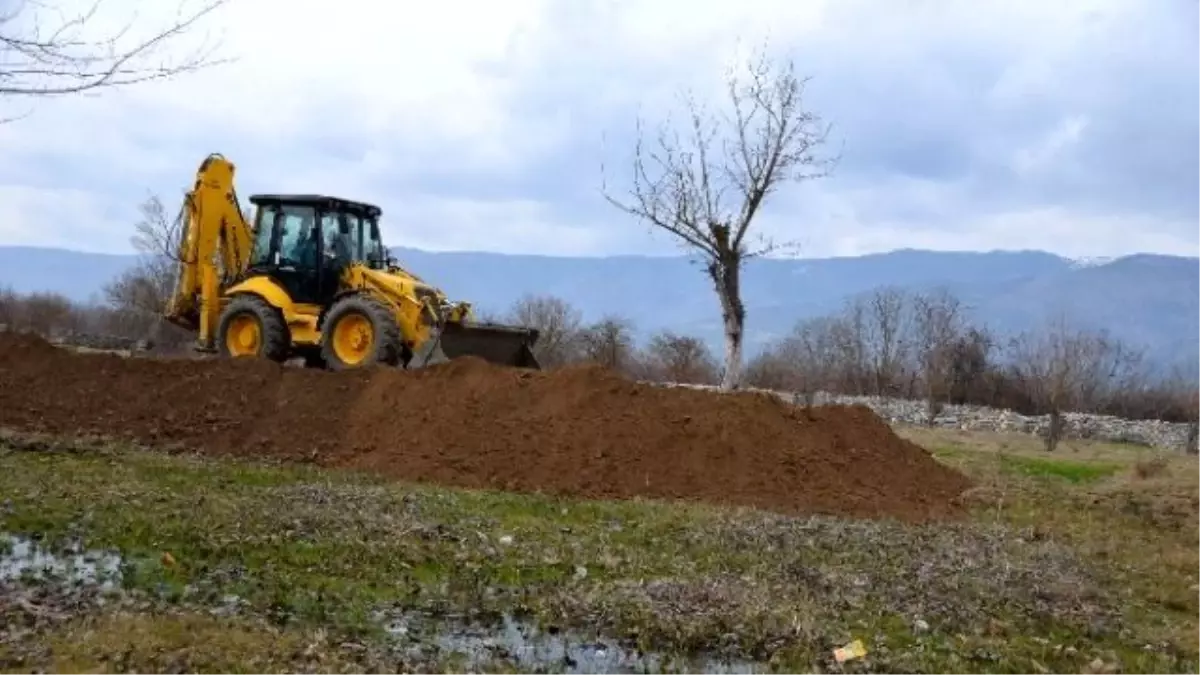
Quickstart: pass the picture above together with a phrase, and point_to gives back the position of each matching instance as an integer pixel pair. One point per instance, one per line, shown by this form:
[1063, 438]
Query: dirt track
[580, 431]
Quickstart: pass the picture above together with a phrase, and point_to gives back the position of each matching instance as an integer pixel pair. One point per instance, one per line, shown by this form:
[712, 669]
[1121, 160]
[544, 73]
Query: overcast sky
[482, 125]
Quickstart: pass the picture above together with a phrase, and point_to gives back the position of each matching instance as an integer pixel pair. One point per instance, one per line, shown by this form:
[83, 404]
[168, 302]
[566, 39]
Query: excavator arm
[214, 249]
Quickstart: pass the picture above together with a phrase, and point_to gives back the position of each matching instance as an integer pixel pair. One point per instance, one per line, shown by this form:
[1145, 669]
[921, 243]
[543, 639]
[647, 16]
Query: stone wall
[99, 341]
[89, 340]
[1149, 433]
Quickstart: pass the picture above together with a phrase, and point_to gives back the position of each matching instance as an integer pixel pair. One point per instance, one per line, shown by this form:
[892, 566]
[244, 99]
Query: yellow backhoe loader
[312, 279]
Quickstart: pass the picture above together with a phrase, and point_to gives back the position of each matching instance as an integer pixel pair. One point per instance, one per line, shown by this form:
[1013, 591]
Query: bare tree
[609, 342]
[157, 234]
[808, 361]
[813, 353]
[147, 287]
[10, 309]
[1042, 362]
[1182, 383]
[139, 295]
[971, 365]
[888, 322]
[49, 314]
[558, 325]
[938, 318]
[680, 358]
[1107, 366]
[705, 186]
[849, 349]
[45, 51]
[1058, 365]
[768, 369]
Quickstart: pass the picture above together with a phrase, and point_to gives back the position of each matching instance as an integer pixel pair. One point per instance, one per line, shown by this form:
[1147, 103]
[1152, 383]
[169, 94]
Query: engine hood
[400, 283]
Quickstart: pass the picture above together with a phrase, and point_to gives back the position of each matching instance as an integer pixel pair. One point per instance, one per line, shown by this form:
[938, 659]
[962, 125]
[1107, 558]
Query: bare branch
[39, 61]
[671, 357]
[140, 293]
[156, 235]
[776, 138]
[609, 343]
[558, 324]
[715, 177]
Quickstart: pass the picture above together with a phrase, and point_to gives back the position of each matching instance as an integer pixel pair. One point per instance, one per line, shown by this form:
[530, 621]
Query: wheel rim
[244, 336]
[353, 338]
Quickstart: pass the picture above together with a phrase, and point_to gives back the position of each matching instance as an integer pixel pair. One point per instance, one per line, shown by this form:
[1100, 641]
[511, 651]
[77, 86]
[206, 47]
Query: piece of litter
[506, 539]
[854, 650]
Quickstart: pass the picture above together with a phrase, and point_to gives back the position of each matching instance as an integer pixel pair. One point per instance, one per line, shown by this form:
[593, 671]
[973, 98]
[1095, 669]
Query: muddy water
[511, 644]
[521, 645]
[22, 559]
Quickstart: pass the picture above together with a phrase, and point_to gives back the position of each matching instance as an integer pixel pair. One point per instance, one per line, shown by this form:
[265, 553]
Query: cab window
[298, 236]
[264, 229]
[373, 251]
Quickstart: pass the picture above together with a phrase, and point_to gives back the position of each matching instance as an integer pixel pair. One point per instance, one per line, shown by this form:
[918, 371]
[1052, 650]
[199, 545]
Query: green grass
[189, 642]
[1059, 469]
[1052, 570]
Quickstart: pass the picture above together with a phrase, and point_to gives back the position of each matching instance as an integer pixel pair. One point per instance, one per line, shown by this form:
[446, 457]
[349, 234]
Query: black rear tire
[386, 346]
[274, 341]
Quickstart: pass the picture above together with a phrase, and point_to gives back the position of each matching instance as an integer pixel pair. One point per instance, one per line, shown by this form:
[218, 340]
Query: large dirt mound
[579, 431]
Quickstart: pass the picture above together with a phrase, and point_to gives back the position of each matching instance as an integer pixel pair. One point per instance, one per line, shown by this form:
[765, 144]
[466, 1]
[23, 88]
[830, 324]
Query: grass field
[1080, 561]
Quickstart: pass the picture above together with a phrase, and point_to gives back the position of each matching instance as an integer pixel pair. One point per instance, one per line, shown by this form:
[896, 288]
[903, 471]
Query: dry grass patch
[1135, 509]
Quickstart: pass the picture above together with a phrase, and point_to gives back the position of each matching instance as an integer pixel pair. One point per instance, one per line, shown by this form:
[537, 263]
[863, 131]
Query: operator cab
[305, 242]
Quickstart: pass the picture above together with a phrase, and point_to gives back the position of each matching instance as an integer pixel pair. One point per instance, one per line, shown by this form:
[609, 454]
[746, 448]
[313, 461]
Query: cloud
[1069, 127]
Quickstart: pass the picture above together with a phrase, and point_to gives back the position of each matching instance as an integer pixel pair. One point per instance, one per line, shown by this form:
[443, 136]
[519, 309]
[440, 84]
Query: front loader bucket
[496, 343]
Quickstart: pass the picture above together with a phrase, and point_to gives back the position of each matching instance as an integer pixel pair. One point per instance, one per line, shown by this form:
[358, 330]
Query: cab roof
[319, 201]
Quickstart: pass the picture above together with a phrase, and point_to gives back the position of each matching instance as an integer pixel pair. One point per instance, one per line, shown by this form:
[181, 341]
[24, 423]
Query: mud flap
[496, 343]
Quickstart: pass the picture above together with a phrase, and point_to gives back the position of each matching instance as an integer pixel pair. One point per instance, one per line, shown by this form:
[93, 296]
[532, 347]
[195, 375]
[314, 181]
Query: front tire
[360, 331]
[251, 327]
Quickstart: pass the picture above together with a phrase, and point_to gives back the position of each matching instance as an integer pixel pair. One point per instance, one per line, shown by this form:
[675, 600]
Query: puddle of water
[513, 643]
[22, 558]
[522, 645]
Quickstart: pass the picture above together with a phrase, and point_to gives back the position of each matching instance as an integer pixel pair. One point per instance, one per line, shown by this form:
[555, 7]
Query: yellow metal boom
[214, 248]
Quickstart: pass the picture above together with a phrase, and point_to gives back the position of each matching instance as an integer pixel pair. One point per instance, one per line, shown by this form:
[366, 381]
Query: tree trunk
[725, 275]
[733, 353]
[1054, 432]
[933, 408]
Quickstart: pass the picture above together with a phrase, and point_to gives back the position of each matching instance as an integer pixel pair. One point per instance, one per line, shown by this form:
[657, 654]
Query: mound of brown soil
[579, 431]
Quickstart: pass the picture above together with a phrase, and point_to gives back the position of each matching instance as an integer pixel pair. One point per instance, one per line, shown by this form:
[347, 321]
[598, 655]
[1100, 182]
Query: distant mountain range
[1149, 300]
